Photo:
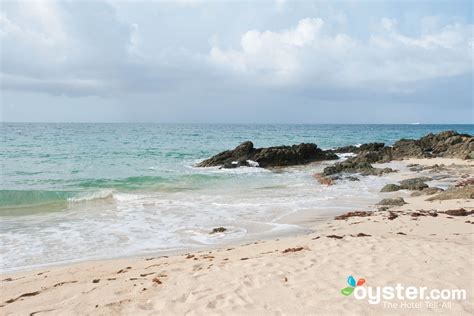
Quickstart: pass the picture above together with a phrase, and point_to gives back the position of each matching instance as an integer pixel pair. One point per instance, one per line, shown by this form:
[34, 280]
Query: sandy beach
[267, 158]
[415, 244]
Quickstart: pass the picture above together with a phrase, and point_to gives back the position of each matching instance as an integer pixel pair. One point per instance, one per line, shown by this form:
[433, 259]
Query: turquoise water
[42, 162]
[117, 189]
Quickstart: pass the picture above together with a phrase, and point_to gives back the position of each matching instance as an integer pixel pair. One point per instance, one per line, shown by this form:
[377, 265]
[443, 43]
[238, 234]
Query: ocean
[77, 191]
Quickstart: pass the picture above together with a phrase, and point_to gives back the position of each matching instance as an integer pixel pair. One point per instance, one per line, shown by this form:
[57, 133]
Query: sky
[192, 61]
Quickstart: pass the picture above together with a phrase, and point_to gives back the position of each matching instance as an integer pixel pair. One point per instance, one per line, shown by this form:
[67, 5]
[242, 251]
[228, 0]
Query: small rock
[391, 188]
[414, 184]
[393, 202]
[218, 230]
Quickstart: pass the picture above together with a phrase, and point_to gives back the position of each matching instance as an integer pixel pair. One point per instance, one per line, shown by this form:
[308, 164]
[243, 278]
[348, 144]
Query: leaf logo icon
[347, 291]
[352, 285]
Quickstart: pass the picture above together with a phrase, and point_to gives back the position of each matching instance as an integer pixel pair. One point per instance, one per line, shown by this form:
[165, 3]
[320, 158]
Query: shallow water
[81, 191]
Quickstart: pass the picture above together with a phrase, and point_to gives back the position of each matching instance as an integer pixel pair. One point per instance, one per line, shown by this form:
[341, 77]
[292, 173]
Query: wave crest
[99, 195]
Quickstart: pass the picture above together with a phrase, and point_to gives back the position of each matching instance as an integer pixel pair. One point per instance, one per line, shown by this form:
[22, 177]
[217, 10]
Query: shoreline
[170, 253]
[304, 271]
[306, 221]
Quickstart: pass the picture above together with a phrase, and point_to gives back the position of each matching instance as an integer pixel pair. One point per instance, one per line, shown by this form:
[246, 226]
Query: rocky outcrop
[413, 184]
[466, 192]
[268, 157]
[448, 144]
[362, 162]
[366, 155]
[354, 166]
[239, 154]
[445, 144]
[361, 148]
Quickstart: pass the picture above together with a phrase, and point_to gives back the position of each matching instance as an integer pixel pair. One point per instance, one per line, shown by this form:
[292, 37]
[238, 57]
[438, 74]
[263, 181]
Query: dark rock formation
[445, 144]
[391, 188]
[414, 184]
[448, 144]
[361, 148]
[238, 154]
[392, 202]
[218, 230]
[355, 166]
[269, 157]
[347, 149]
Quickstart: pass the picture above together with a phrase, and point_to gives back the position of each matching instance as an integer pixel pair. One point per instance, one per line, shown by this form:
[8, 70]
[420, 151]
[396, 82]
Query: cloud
[308, 54]
[63, 45]
[192, 58]
[270, 53]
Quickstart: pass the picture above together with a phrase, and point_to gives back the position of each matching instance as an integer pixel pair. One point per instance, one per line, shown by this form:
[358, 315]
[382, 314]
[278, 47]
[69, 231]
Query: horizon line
[223, 123]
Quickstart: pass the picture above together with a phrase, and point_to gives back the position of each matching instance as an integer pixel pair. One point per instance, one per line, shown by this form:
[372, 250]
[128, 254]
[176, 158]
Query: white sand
[436, 252]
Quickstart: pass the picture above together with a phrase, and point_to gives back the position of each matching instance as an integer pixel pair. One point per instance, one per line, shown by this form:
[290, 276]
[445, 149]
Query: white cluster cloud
[311, 55]
[271, 53]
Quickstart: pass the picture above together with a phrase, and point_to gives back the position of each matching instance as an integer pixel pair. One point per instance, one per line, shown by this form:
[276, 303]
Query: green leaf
[347, 291]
